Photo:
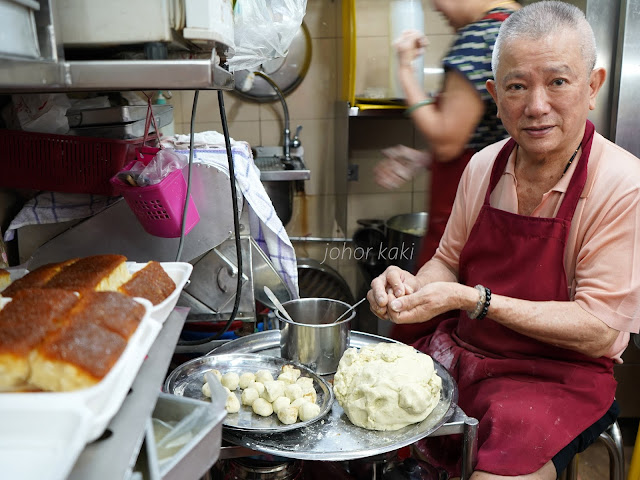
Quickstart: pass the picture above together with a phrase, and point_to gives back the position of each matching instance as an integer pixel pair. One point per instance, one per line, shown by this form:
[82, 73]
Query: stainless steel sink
[275, 167]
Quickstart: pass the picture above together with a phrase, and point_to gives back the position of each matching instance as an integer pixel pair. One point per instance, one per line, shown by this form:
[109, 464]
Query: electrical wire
[236, 219]
[185, 209]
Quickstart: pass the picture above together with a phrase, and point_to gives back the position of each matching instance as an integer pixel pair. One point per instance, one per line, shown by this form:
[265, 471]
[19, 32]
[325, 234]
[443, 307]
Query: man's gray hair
[541, 19]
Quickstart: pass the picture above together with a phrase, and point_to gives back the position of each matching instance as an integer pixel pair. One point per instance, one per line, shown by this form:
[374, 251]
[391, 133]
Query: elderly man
[539, 260]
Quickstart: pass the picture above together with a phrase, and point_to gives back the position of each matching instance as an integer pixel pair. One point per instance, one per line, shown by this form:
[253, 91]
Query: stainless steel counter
[113, 457]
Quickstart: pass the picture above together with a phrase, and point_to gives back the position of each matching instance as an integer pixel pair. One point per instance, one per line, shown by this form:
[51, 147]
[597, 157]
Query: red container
[62, 163]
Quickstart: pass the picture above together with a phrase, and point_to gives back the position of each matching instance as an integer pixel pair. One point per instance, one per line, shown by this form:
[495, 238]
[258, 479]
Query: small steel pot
[312, 338]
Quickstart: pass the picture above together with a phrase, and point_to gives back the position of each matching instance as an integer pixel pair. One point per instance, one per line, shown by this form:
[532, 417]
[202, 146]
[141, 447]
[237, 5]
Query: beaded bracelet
[487, 302]
[482, 307]
[417, 105]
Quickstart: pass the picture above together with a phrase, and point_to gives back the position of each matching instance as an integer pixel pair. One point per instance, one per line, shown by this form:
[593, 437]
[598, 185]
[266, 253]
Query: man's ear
[596, 80]
[491, 88]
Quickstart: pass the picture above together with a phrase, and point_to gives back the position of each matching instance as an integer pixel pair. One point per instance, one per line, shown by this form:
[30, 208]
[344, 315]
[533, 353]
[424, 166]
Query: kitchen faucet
[287, 141]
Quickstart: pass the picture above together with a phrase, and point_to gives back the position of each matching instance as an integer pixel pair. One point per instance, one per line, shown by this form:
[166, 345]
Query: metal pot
[404, 239]
[312, 338]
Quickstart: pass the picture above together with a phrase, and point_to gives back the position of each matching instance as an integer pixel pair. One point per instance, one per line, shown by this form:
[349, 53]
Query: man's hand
[409, 45]
[390, 285]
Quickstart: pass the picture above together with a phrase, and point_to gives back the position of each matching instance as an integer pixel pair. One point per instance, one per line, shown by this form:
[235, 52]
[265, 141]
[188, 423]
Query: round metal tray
[188, 378]
[335, 437]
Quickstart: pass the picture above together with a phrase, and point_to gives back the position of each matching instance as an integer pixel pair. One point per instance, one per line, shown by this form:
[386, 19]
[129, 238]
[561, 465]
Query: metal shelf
[43, 76]
[112, 458]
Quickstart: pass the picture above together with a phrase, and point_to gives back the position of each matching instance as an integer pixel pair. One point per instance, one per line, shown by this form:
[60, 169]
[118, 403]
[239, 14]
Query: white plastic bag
[45, 113]
[264, 30]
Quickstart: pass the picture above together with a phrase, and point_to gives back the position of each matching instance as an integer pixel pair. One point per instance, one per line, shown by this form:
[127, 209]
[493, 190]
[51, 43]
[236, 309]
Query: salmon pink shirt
[602, 257]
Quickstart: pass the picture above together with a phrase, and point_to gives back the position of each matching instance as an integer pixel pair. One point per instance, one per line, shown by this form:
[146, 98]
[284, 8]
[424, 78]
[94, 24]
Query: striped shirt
[471, 56]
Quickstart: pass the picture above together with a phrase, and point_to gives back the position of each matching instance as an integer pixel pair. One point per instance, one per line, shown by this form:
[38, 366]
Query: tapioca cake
[112, 310]
[37, 278]
[151, 282]
[5, 279]
[25, 322]
[97, 272]
[76, 356]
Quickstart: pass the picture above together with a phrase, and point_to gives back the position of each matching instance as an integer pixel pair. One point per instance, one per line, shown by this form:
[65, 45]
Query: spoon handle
[349, 309]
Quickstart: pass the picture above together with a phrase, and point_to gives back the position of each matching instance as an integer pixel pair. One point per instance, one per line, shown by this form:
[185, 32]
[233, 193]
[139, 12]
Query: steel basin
[312, 339]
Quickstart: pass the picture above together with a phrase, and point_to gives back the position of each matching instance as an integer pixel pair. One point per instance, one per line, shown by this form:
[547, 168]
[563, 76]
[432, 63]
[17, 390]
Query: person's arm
[447, 124]
[563, 324]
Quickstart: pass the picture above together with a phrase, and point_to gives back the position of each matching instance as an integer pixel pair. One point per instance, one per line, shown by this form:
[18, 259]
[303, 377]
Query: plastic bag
[162, 164]
[45, 113]
[264, 30]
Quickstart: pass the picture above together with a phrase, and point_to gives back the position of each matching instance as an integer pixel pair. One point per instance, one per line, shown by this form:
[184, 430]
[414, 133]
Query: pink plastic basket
[159, 207]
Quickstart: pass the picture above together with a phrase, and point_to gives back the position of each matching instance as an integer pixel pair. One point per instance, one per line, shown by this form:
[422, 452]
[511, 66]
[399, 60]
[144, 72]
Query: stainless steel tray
[335, 437]
[125, 131]
[188, 378]
[111, 115]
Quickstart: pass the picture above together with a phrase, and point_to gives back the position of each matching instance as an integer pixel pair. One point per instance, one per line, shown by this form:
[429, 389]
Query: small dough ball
[280, 403]
[258, 386]
[233, 404]
[262, 407]
[249, 395]
[206, 390]
[293, 391]
[273, 390]
[291, 369]
[287, 377]
[245, 379]
[215, 372]
[297, 403]
[308, 410]
[264, 376]
[288, 415]
[230, 380]
[302, 381]
[309, 393]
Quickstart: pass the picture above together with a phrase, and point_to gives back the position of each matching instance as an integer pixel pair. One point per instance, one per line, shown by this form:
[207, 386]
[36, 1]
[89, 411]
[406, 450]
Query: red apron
[531, 398]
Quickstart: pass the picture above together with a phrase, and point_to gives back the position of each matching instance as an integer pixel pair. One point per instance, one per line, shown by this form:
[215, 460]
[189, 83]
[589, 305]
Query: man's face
[544, 92]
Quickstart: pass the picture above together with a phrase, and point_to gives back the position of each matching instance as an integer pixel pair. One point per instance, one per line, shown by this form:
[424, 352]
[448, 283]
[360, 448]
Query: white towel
[266, 227]
[55, 207]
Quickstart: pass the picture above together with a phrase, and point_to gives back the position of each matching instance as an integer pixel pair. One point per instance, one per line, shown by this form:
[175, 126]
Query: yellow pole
[349, 51]
[634, 468]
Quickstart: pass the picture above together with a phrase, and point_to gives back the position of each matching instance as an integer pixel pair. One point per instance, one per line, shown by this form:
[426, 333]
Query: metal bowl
[312, 339]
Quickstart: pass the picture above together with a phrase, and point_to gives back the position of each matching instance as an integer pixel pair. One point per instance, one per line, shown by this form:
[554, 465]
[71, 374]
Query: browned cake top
[37, 278]
[113, 310]
[31, 315]
[87, 272]
[86, 345]
[151, 282]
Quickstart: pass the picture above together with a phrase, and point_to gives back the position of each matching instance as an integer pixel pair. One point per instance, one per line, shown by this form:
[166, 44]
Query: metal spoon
[277, 303]
[349, 309]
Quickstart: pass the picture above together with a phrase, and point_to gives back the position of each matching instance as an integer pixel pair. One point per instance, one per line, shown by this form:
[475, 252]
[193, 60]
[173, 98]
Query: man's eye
[515, 86]
[559, 81]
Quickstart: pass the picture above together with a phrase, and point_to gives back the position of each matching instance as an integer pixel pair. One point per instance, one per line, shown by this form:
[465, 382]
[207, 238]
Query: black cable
[185, 209]
[236, 224]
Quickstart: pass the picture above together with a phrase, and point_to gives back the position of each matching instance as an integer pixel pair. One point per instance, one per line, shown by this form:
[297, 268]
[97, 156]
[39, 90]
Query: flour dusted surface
[386, 386]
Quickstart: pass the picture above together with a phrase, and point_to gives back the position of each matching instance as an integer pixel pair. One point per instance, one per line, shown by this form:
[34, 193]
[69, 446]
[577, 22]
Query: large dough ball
[305, 381]
[291, 369]
[245, 379]
[386, 386]
[288, 415]
[262, 407]
[230, 380]
[287, 377]
[273, 390]
[308, 410]
[280, 403]
[264, 376]
[298, 402]
[249, 395]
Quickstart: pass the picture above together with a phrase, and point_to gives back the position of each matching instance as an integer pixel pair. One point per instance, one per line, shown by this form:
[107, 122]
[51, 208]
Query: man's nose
[537, 102]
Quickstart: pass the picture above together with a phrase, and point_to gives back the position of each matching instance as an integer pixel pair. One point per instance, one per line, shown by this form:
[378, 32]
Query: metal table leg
[469, 447]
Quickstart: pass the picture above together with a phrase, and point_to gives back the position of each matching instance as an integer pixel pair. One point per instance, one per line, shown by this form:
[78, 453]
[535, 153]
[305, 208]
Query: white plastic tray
[48, 420]
[179, 273]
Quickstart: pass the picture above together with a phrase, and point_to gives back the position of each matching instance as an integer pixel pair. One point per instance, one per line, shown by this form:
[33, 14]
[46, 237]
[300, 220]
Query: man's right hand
[391, 284]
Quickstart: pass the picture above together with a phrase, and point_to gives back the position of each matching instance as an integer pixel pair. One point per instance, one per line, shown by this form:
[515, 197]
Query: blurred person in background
[459, 122]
